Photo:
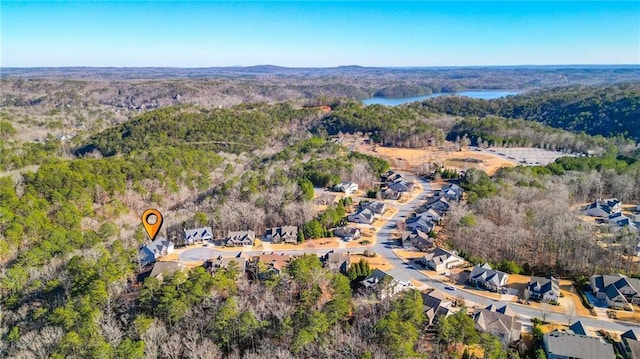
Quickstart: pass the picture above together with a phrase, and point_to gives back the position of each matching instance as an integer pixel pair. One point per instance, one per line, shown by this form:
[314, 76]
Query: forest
[608, 111]
[69, 225]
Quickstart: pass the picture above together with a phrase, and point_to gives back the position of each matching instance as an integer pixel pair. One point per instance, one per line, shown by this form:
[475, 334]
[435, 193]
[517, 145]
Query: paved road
[404, 271]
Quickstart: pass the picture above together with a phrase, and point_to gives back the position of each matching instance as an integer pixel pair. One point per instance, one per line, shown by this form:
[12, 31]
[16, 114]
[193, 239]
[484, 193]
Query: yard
[376, 262]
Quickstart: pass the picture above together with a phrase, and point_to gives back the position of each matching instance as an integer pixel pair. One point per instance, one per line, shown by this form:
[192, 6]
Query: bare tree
[545, 310]
[570, 312]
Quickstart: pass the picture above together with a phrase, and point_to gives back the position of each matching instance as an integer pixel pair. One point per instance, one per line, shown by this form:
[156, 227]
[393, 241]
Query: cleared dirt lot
[416, 160]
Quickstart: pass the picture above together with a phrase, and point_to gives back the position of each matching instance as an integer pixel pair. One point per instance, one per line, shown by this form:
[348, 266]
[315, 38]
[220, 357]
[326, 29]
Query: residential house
[451, 191]
[617, 290]
[503, 326]
[603, 208]
[565, 345]
[383, 285]
[337, 262]
[418, 224]
[401, 186]
[486, 277]
[619, 219]
[431, 215]
[346, 187]
[214, 264]
[196, 235]
[418, 239]
[436, 303]
[240, 238]
[377, 208]
[154, 250]
[364, 216]
[389, 193]
[162, 269]
[544, 289]
[440, 260]
[440, 204]
[286, 234]
[264, 264]
[629, 346]
[347, 233]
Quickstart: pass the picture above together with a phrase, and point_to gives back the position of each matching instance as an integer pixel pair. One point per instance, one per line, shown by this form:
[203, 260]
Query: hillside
[596, 110]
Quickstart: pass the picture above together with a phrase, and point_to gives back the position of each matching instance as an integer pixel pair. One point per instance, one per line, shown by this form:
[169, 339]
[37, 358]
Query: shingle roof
[577, 346]
[198, 234]
[578, 328]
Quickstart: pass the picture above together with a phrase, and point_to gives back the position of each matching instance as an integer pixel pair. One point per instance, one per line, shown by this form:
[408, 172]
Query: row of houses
[428, 215]
[162, 246]
[394, 185]
[609, 211]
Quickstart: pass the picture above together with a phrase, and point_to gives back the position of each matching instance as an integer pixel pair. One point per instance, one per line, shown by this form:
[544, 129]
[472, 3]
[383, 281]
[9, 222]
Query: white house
[544, 289]
[440, 259]
[365, 216]
[346, 187]
[195, 235]
[156, 249]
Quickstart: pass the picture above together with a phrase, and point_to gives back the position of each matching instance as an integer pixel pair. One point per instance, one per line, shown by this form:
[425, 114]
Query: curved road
[404, 271]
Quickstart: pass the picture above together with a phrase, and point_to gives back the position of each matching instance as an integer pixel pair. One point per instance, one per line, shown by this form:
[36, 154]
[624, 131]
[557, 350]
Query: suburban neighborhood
[402, 228]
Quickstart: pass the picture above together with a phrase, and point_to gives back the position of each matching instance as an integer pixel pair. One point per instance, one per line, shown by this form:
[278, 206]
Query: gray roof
[486, 319]
[281, 232]
[165, 268]
[344, 232]
[241, 235]
[484, 273]
[159, 245]
[198, 234]
[577, 346]
[440, 255]
[615, 285]
[549, 284]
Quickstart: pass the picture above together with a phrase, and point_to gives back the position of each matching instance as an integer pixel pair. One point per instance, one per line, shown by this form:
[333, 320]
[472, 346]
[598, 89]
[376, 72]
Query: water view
[484, 95]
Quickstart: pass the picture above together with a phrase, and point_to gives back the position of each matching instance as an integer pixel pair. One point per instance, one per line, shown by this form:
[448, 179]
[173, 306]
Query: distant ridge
[274, 70]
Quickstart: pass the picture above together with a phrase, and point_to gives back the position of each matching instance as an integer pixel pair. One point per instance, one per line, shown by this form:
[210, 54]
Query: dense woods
[596, 110]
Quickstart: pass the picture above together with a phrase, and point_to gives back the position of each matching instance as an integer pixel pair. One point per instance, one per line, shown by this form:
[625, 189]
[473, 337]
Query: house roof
[486, 319]
[564, 344]
[198, 233]
[631, 334]
[277, 261]
[441, 255]
[614, 285]
[377, 207]
[337, 259]
[364, 213]
[165, 268]
[223, 262]
[578, 328]
[284, 231]
[502, 309]
[376, 276]
[484, 273]
[158, 245]
[346, 231]
[548, 284]
[240, 235]
[435, 299]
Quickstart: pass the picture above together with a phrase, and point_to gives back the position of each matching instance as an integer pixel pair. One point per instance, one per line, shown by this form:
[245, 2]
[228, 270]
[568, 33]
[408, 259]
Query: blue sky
[318, 34]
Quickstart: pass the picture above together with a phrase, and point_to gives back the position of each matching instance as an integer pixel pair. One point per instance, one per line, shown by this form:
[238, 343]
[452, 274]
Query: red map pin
[152, 221]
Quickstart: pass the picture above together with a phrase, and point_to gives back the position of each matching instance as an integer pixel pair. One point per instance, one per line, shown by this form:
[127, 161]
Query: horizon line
[315, 67]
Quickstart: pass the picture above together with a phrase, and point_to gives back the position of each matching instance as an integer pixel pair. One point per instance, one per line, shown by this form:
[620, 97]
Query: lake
[484, 95]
